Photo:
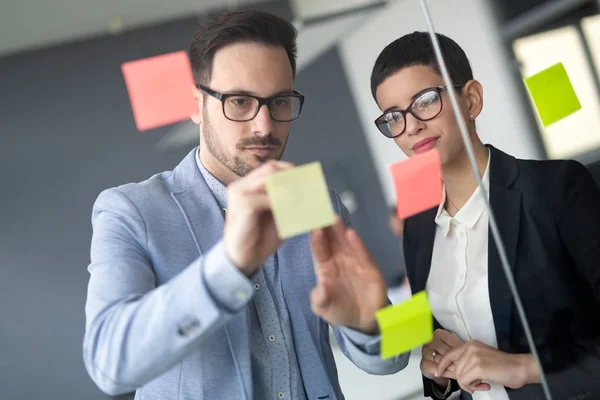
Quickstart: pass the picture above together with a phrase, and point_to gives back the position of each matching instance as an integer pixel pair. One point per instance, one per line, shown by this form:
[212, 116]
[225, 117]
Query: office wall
[329, 131]
[503, 122]
[67, 133]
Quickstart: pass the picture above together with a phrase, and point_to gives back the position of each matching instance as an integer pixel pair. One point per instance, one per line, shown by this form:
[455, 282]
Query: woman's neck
[459, 179]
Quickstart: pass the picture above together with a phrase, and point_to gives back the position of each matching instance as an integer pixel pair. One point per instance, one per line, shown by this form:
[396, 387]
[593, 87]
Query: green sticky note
[405, 326]
[300, 200]
[553, 94]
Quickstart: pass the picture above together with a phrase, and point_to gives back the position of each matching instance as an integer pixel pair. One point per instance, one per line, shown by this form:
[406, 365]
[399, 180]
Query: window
[591, 31]
[580, 132]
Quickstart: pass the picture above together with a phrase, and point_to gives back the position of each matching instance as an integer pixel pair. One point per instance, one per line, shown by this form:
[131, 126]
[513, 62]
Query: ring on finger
[433, 354]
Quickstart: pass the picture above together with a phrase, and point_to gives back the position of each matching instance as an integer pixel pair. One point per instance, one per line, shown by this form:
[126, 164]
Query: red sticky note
[418, 183]
[160, 89]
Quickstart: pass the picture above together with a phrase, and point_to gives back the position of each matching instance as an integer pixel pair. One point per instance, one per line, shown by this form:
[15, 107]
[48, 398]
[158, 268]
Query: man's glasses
[244, 107]
[426, 105]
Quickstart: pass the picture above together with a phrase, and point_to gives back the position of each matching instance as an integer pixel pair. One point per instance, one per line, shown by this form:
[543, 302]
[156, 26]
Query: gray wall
[66, 133]
[329, 131]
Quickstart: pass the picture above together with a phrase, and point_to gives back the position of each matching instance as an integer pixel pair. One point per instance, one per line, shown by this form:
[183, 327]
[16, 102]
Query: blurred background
[67, 133]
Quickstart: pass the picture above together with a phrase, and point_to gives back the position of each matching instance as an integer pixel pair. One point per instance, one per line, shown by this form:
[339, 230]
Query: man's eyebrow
[250, 93]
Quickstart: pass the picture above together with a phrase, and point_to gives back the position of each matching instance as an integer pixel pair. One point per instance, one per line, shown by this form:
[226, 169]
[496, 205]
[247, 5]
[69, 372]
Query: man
[548, 214]
[192, 295]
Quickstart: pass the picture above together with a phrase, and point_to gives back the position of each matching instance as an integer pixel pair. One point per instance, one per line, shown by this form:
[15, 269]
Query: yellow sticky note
[300, 200]
[553, 94]
[405, 326]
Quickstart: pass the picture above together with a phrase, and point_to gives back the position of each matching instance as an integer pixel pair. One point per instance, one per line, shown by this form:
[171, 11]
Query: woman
[548, 214]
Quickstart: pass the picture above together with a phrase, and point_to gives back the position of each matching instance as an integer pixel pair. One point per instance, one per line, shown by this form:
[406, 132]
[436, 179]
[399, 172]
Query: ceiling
[309, 9]
[30, 24]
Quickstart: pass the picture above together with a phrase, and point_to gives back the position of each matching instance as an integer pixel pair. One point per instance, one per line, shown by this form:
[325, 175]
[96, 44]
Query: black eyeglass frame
[261, 101]
[439, 89]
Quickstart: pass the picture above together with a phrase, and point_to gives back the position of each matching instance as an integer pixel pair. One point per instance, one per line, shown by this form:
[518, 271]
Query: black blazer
[548, 215]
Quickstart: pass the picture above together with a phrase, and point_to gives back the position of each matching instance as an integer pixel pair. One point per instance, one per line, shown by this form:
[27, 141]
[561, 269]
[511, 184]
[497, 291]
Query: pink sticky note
[418, 183]
[160, 89]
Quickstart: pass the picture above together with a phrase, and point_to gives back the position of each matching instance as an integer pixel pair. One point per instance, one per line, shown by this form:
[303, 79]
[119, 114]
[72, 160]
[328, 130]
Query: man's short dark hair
[248, 26]
[416, 49]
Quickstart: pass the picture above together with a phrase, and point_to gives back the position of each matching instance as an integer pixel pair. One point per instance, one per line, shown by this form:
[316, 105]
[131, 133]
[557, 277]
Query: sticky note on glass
[405, 326]
[418, 183]
[160, 89]
[553, 94]
[300, 200]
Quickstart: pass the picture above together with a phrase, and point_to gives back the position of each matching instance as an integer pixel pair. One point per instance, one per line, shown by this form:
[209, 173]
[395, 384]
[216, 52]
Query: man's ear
[197, 116]
[473, 92]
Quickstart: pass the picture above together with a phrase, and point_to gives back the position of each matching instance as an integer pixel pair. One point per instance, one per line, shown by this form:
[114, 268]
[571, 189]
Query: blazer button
[188, 327]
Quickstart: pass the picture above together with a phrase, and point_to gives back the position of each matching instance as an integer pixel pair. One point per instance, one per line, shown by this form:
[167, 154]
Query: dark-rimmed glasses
[240, 107]
[426, 105]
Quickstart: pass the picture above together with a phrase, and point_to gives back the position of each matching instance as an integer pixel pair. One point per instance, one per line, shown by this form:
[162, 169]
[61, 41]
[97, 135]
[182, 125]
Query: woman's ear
[473, 92]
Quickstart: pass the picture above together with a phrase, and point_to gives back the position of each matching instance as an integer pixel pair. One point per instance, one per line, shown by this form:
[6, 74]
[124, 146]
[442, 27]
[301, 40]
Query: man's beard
[235, 163]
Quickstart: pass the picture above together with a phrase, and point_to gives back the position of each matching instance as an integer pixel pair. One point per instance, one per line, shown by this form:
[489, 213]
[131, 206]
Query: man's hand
[431, 353]
[350, 287]
[250, 235]
[476, 362]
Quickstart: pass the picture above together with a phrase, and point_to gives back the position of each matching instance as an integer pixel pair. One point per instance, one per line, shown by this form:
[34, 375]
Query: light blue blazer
[151, 323]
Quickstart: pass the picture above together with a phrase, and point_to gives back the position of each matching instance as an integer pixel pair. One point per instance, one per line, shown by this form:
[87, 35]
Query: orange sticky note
[160, 89]
[418, 183]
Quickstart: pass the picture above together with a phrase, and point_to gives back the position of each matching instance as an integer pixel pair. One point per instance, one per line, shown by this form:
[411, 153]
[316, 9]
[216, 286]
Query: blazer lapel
[205, 222]
[425, 240]
[506, 206]
[425, 223]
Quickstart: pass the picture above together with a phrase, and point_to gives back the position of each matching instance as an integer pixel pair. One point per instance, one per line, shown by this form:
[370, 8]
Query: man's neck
[459, 179]
[216, 168]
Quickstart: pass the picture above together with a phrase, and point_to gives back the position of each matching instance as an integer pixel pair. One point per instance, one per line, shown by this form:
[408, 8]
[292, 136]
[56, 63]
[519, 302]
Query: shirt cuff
[436, 391]
[370, 345]
[228, 287]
